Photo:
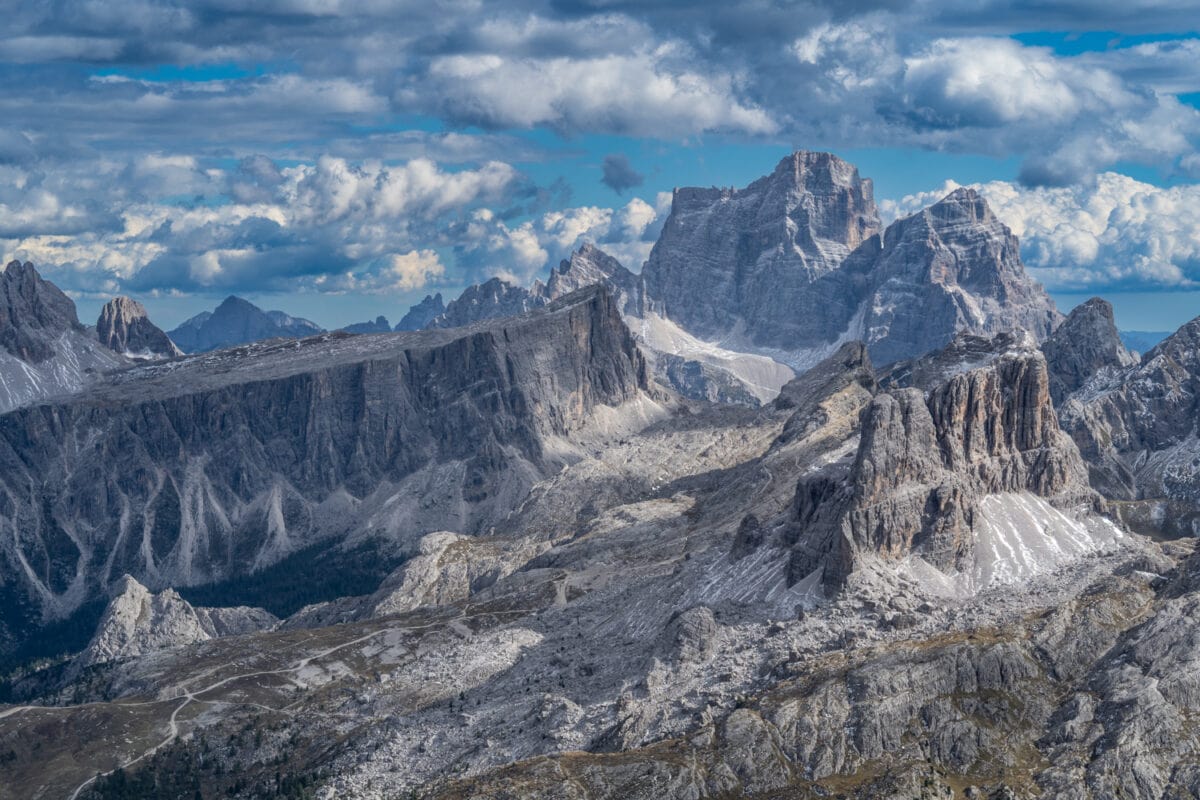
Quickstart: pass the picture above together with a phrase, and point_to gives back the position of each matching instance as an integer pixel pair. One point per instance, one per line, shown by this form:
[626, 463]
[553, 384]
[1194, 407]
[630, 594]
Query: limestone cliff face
[795, 263]
[32, 312]
[44, 351]
[125, 327]
[1086, 347]
[137, 622]
[1137, 428]
[951, 268]
[745, 259]
[224, 464]
[929, 454]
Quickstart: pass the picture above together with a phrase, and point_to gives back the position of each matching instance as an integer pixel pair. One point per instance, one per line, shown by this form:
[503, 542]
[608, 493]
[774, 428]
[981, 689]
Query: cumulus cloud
[640, 95]
[332, 225]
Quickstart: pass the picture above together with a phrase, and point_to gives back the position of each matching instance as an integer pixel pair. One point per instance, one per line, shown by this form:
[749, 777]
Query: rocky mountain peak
[934, 446]
[951, 267]
[740, 259]
[492, 299]
[824, 185]
[1085, 346]
[125, 327]
[588, 266]
[424, 312]
[238, 321]
[1137, 427]
[33, 312]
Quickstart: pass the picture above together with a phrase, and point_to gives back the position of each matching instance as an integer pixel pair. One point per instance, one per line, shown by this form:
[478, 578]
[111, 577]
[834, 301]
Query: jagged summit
[960, 460]
[492, 299]
[1086, 346]
[949, 268]
[33, 311]
[137, 622]
[125, 327]
[424, 312]
[739, 259]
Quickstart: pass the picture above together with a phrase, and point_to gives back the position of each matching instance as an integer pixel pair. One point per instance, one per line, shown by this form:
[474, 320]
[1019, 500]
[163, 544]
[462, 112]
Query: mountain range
[806, 508]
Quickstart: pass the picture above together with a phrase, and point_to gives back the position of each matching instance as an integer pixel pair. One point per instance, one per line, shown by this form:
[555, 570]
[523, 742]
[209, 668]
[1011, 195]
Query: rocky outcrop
[379, 325]
[138, 622]
[33, 312]
[1086, 347]
[448, 568]
[423, 313]
[125, 327]
[591, 266]
[44, 351]
[951, 268]
[226, 464]
[930, 452]
[1138, 431]
[237, 321]
[746, 260]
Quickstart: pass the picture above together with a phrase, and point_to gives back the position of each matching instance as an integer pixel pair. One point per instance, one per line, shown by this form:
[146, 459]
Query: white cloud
[642, 94]
[990, 82]
[408, 271]
[332, 225]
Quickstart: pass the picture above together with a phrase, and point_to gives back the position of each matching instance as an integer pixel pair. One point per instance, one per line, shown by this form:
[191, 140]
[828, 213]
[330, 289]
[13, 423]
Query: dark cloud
[619, 174]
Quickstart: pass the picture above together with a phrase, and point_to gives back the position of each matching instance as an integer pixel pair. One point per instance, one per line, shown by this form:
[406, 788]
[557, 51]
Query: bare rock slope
[125, 327]
[196, 470]
[44, 351]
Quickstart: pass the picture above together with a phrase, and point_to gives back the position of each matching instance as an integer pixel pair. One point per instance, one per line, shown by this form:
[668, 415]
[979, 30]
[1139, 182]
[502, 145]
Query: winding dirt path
[189, 697]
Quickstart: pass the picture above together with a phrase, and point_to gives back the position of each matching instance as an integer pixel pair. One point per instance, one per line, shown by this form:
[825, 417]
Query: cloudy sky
[340, 159]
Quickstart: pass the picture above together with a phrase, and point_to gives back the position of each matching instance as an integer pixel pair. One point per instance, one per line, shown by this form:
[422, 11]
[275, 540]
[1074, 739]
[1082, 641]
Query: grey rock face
[137, 622]
[125, 327]
[929, 455]
[1086, 346]
[591, 266]
[795, 262]
[379, 325]
[44, 351]
[696, 380]
[1138, 430]
[32, 313]
[228, 462]
[424, 312]
[235, 322]
[742, 259]
[951, 268]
